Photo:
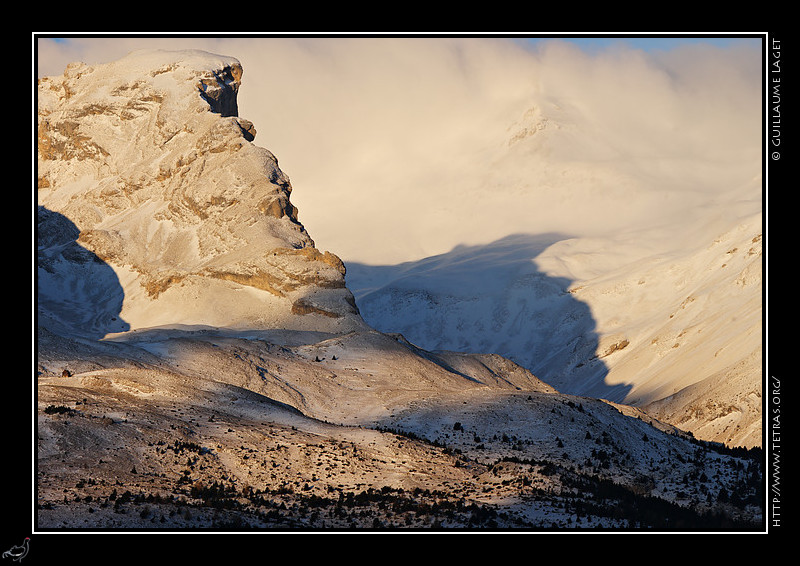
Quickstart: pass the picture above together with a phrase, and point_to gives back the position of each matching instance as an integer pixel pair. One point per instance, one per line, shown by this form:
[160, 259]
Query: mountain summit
[160, 180]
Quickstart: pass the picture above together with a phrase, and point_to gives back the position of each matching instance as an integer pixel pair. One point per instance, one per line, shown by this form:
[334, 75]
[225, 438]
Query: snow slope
[607, 237]
[635, 319]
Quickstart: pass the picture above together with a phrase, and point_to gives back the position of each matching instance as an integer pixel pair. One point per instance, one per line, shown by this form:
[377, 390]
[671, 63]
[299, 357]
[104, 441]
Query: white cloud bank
[402, 148]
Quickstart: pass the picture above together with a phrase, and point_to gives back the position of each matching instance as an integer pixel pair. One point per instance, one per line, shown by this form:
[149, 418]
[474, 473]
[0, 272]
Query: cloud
[398, 148]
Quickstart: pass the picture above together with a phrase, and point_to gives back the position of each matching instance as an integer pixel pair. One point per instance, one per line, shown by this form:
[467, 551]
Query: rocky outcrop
[149, 160]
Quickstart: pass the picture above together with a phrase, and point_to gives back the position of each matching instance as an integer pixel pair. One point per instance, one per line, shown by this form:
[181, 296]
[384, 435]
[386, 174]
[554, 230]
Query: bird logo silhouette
[18, 552]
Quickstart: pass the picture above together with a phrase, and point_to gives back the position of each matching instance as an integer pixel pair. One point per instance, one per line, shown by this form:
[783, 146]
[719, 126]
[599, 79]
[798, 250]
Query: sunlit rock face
[186, 220]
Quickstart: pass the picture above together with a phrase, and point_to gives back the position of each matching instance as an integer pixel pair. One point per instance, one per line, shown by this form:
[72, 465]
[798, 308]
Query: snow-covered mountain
[677, 330]
[202, 364]
[145, 164]
[626, 256]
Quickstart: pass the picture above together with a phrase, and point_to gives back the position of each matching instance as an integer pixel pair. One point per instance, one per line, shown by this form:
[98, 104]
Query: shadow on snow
[489, 299]
[77, 293]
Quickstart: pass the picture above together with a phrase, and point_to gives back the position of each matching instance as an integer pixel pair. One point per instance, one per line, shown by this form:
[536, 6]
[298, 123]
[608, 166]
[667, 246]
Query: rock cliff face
[145, 166]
